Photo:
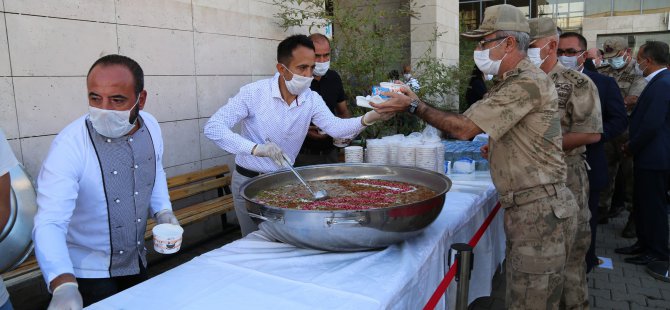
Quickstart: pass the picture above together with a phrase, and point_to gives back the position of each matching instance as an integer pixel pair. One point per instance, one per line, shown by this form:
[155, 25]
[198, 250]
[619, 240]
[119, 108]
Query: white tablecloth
[258, 273]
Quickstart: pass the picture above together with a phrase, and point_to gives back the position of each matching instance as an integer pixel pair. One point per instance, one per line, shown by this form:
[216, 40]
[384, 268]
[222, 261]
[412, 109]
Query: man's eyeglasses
[568, 52]
[482, 43]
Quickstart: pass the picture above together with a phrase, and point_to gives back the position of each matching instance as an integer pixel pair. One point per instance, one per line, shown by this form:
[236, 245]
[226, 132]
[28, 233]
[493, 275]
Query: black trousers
[591, 257]
[650, 203]
[94, 290]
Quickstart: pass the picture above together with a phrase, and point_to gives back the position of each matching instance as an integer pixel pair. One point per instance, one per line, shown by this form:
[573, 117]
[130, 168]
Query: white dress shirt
[7, 162]
[264, 115]
[71, 231]
[653, 74]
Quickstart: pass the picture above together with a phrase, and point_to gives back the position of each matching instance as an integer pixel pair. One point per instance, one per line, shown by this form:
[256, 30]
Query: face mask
[407, 76]
[570, 61]
[488, 77]
[320, 68]
[594, 63]
[639, 70]
[298, 83]
[112, 123]
[534, 55]
[485, 64]
[617, 62]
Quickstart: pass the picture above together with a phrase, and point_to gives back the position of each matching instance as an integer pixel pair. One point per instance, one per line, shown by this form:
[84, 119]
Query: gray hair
[522, 39]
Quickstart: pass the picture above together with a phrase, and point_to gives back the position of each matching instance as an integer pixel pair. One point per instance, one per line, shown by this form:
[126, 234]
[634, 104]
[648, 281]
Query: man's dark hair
[657, 51]
[580, 38]
[133, 66]
[286, 47]
[318, 37]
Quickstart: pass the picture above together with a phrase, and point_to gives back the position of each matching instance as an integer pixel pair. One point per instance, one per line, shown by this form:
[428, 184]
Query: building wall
[592, 27]
[440, 16]
[195, 55]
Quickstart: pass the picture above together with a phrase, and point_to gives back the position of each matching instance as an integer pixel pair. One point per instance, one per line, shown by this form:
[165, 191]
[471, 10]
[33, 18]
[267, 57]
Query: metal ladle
[318, 195]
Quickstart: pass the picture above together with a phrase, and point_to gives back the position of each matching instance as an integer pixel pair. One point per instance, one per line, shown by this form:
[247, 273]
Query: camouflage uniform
[630, 84]
[520, 114]
[579, 110]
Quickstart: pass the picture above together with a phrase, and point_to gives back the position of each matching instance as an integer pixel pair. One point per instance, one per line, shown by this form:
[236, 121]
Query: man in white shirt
[101, 178]
[275, 115]
[7, 162]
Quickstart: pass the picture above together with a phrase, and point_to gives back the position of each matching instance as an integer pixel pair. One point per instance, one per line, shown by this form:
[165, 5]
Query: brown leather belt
[529, 195]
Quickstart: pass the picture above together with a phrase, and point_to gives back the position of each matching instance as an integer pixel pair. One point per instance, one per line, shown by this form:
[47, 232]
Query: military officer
[619, 168]
[520, 114]
[581, 124]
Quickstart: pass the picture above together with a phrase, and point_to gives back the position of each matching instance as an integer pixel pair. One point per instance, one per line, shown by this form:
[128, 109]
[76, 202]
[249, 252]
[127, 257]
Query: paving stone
[598, 275]
[646, 291]
[663, 304]
[666, 293]
[602, 284]
[623, 279]
[609, 304]
[638, 307]
[653, 283]
[604, 293]
[623, 296]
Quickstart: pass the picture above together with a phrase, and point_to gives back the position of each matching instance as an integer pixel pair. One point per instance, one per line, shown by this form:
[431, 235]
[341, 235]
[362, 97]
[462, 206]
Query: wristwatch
[413, 105]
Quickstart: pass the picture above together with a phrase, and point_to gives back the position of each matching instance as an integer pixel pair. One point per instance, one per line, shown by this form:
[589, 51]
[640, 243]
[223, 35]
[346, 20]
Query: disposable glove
[66, 297]
[373, 116]
[271, 150]
[166, 216]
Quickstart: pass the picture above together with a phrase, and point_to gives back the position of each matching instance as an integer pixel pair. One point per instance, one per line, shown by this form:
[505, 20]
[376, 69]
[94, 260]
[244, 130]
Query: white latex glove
[66, 297]
[271, 150]
[166, 216]
[372, 117]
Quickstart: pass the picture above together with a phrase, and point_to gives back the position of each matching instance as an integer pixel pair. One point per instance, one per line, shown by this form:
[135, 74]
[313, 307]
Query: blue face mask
[618, 62]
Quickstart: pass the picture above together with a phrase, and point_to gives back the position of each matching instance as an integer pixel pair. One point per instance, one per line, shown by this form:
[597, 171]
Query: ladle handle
[288, 163]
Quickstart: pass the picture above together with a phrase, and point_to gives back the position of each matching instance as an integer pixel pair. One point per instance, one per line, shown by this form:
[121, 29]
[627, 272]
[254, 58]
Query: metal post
[659, 270]
[464, 259]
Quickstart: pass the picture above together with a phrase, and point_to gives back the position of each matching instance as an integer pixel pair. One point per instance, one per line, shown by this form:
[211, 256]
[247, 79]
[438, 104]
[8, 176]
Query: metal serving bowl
[16, 238]
[346, 230]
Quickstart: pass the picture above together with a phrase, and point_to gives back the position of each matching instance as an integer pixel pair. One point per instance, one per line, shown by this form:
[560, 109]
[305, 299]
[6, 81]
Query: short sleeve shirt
[578, 103]
[520, 114]
[630, 83]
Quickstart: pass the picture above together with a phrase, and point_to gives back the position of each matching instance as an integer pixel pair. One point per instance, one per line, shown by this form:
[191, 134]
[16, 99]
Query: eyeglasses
[568, 52]
[480, 44]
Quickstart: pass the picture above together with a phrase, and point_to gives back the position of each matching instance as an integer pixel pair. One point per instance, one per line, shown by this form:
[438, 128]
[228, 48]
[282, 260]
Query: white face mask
[298, 83]
[320, 68]
[485, 64]
[617, 62]
[570, 61]
[534, 55]
[112, 123]
[407, 76]
[639, 70]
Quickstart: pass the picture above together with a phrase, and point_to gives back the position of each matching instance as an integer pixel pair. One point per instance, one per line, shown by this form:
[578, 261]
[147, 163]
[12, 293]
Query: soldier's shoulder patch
[576, 78]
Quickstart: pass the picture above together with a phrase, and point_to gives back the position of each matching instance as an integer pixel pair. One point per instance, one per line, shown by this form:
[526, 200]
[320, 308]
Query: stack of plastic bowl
[353, 154]
[377, 152]
[439, 157]
[425, 156]
[392, 143]
[407, 154]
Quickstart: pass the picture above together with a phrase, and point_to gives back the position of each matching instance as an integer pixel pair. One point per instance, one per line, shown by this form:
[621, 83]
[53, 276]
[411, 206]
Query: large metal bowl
[345, 230]
[16, 242]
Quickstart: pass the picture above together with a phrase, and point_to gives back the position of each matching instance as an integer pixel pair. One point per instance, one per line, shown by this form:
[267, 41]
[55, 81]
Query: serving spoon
[318, 195]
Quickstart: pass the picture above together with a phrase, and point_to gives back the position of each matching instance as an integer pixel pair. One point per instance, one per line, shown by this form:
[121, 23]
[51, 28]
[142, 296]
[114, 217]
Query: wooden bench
[181, 187]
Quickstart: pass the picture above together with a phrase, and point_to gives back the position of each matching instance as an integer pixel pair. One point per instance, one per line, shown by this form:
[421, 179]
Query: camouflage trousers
[539, 236]
[621, 167]
[576, 292]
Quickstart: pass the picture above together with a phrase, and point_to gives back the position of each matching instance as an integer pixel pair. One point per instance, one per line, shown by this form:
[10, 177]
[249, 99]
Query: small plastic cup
[167, 238]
